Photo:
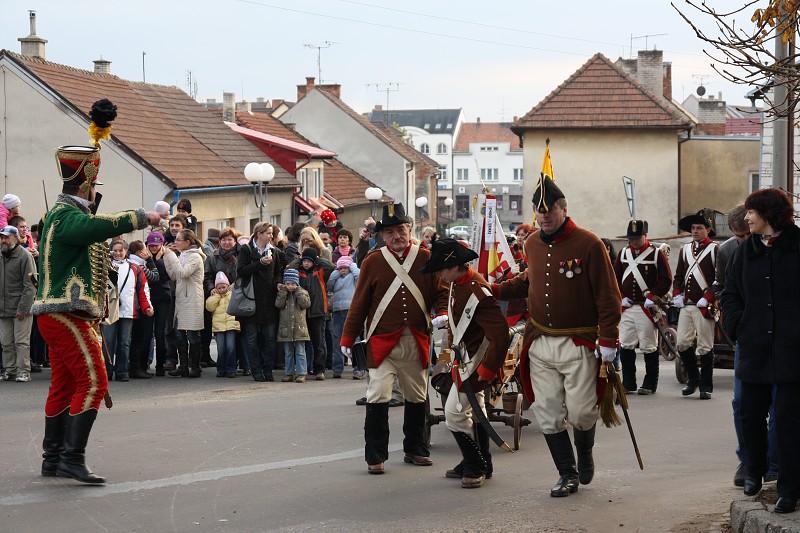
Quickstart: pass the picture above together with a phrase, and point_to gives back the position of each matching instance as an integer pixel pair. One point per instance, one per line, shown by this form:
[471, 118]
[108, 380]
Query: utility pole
[781, 159]
[319, 48]
[144, 78]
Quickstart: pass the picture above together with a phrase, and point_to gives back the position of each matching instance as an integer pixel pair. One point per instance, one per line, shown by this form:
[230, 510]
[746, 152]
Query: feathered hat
[79, 165]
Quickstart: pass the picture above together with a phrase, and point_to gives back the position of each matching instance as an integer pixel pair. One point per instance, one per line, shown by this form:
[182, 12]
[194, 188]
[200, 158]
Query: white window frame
[442, 172]
[441, 149]
[462, 174]
[490, 174]
[424, 148]
[519, 174]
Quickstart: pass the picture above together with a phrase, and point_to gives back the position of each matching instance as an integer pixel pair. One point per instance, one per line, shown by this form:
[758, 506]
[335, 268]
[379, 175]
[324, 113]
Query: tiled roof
[487, 132]
[743, 126]
[172, 133]
[600, 95]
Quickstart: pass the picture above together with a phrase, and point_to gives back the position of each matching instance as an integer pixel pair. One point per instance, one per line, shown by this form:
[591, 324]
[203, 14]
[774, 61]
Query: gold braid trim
[83, 345]
[566, 331]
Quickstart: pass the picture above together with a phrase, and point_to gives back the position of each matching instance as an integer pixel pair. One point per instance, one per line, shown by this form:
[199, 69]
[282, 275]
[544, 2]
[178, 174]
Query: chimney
[332, 88]
[32, 45]
[102, 66]
[378, 107]
[479, 120]
[245, 106]
[650, 71]
[259, 99]
[229, 107]
[277, 102]
[668, 81]
[712, 115]
[303, 90]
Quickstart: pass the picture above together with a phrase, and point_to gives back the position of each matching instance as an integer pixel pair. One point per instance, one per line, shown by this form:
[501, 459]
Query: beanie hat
[154, 239]
[291, 274]
[185, 205]
[310, 253]
[213, 235]
[10, 201]
[344, 262]
[161, 207]
[221, 278]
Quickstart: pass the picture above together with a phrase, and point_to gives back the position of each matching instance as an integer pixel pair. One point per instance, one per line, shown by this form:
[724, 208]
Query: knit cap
[221, 278]
[161, 207]
[10, 201]
[291, 274]
[344, 262]
[185, 205]
[310, 253]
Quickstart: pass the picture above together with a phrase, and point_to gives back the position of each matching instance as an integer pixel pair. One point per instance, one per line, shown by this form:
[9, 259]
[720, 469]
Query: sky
[495, 60]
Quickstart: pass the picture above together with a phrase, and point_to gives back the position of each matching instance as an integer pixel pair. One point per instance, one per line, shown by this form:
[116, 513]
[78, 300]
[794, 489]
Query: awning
[303, 204]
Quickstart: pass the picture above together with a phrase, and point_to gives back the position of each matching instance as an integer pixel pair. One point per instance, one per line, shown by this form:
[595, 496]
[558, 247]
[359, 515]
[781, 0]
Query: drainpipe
[680, 142]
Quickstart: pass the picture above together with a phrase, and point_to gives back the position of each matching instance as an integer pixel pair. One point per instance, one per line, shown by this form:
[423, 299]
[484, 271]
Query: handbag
[243, 299]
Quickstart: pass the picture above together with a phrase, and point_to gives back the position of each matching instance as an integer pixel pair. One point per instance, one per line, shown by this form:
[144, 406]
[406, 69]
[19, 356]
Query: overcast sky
[496, 60]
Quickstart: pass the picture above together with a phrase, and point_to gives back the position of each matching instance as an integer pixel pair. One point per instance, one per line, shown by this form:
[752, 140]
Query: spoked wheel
[672, 335]
[517, 422]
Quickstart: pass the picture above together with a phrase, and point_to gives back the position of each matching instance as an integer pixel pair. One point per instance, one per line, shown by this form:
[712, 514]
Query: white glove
[677, 301]
[607, 355]
[649, 303]
[702, 302]
[626, 302]
[346, 351]
[439, 321]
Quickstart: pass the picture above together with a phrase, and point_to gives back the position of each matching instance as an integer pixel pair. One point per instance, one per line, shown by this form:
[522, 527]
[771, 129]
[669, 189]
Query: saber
[724, 335]
[612, 376]
[661, 333]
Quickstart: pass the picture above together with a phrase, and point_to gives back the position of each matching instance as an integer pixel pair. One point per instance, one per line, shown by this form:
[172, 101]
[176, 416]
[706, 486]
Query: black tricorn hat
[705, 216]
[546, 193]
[446, 253]
[636, 228]
[393, 214]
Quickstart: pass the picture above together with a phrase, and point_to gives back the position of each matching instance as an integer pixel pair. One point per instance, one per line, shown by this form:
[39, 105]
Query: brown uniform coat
[658, 277]
[690, 288]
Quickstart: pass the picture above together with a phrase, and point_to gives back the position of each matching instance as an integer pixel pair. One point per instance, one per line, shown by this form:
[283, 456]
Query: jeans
[226, 352]
[294, 354]
[261, 342]
[316, 355]
[772, 437]
[337, 325]
[160, 318]
[141, 335]
[117, 337]
[190, 335]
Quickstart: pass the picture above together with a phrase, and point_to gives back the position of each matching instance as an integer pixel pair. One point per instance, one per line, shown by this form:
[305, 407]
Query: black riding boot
[73, 458]
[584, 442]
[628, 359]
[414, 429]
[707, 374]
[53, 444]
[194, 360]
[650, 382]
[473, 465]
[376, 433]
[485, 444]
[183, 361]
[564, 459]
[689, 358]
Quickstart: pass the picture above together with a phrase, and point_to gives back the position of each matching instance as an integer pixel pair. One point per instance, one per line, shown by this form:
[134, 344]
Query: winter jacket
[761, 308]
[132, 288]
[292, 251]
[161, 290]
[293, 305]
[343, 288]
[315, 281]
[187, 271]
[4, 216]
[16, 289]
[221, 321]
[216, 263]
[265, 282]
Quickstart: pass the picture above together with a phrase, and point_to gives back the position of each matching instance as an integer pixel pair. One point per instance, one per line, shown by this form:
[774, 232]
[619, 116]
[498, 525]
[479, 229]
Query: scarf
[345, 251]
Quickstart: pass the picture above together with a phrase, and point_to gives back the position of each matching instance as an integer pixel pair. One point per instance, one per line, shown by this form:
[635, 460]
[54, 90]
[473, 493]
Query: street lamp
[373, 194]
[421, 202]
[259, 174]
[449, 203]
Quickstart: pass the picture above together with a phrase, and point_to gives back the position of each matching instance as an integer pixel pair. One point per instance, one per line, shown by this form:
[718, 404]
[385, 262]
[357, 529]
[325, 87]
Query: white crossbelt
[688, 255]
[468, 364]
[634, 262]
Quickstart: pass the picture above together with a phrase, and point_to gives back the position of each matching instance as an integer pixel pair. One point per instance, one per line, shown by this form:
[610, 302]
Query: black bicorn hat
[446, 253]
[705, 216]
[636, 228]
[546, 193]
[393, 215]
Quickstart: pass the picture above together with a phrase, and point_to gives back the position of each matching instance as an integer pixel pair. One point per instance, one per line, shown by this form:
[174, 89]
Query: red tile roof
[600, 95]
[743, 126]
[178, 138]
[487, 132]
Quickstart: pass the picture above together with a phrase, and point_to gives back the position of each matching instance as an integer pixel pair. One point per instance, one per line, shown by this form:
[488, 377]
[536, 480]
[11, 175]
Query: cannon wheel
[680, 371]
[672, 335]
[517, 422]
[518, 387]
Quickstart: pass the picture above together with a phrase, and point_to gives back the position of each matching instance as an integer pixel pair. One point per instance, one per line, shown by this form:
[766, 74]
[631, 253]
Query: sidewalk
[754, 514]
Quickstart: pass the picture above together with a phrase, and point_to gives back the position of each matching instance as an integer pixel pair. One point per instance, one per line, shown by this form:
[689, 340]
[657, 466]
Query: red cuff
[495, 288]
[442, 313]
[676, 292]
[607, 343]
[485, 373]
[708, 295]
[347, 342]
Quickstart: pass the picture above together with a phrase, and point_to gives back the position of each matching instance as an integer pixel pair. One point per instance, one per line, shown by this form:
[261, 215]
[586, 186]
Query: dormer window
[438, 127]
[426, 126]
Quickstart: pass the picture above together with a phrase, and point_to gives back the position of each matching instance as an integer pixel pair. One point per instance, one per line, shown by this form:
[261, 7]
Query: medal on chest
[570, 268]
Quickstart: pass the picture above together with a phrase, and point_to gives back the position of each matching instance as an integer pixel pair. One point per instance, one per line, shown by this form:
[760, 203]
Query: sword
[661, 333]
[477, 408]
[724, 335]
[612, 377]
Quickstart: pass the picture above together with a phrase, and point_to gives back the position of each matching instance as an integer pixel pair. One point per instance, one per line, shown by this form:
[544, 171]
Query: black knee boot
[650, 382]
[474, 464]
[564, 459]
[628, 359]
[414, 430]
[376, 433]
[584, 442]
[183, 361]
[689, 358]
[194, 360]
[73, 458]
[485, 444]
[706, 375]
[53, 444]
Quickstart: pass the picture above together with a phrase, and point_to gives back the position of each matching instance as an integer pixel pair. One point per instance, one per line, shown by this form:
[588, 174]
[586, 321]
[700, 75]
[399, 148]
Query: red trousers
[78, 371]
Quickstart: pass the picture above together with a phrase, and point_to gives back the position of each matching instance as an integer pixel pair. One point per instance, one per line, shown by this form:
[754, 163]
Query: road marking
[182, 479]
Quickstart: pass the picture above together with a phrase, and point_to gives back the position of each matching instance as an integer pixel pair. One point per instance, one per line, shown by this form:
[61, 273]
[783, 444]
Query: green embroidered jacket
[74, 260]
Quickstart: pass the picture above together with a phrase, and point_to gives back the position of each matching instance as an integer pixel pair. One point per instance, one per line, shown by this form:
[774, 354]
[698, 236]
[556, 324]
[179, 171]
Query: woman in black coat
[264, 263]
[761, 306]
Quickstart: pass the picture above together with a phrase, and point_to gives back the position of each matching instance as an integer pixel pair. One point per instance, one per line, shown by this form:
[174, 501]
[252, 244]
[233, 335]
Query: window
[302, 177]
[438, 127]
[441, 149]
[317, 181]
[489, 148]
[426, 126]
[424, 148]
[275, 219]
[443, 173]
[754, 181]
[490, 174]
[516, 203]
[449, 126]
[462, 174]
[518, 174]
[462, 205]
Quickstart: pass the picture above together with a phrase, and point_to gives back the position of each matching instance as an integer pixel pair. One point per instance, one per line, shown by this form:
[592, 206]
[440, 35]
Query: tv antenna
[386, 87]
[319, 48]
[701, 90]
[645, 37]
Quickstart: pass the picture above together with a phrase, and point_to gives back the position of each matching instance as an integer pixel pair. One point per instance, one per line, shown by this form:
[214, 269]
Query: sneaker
[5, 376]
[320, 376]
[359, 375]
[300, 379]
[23, 377]
[287, 378]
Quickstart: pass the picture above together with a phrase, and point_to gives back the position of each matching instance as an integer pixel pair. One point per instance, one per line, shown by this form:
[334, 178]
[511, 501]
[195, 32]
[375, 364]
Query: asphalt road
[234, 455]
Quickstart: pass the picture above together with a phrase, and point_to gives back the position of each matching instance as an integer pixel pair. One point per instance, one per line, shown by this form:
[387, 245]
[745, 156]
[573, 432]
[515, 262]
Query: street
[233, 455]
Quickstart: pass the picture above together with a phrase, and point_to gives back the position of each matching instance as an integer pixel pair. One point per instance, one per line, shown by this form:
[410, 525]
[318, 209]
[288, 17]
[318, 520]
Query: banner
[495, 256]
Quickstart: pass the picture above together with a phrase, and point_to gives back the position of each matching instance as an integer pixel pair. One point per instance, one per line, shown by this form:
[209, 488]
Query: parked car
[458, 232]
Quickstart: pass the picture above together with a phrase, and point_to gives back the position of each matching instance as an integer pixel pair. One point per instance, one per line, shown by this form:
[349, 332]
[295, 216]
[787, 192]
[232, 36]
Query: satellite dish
[701, 91]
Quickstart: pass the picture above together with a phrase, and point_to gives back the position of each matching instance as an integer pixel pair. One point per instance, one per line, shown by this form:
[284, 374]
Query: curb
[752, 515]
